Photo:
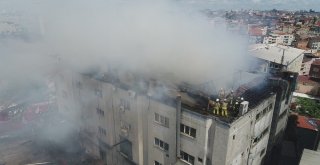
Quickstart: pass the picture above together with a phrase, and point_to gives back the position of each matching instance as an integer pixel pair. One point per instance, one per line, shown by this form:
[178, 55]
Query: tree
[308, 107]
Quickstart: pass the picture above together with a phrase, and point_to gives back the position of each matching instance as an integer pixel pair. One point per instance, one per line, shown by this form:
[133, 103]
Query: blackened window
[157, 163]
[100, 112]
[126, 147]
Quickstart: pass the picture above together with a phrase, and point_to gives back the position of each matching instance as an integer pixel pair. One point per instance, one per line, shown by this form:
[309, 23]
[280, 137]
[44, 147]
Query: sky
[218, 4]
[256, 4]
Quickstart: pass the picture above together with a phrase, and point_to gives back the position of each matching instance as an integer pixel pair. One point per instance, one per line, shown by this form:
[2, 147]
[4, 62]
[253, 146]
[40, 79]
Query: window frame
[162, 145]
[185, 157]
[188, 131]
[161, 120]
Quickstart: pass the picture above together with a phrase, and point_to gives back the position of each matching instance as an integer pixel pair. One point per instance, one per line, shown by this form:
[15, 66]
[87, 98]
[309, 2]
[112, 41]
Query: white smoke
[153, 38]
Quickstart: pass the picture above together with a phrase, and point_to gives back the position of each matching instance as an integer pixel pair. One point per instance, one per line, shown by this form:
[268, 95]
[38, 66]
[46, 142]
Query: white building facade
[121, 126]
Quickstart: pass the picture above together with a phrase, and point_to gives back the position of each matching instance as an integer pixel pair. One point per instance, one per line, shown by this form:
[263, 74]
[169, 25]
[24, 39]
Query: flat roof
[310, 157]
[274, 52]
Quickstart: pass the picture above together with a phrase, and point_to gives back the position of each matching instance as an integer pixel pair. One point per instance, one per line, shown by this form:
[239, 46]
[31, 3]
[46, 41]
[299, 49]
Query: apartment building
[308, 59]
[125, 121]
[279, 38]
[273, 58]
[314, 43]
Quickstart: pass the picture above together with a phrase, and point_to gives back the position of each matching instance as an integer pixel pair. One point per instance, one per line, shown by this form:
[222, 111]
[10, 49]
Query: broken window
[126, 147]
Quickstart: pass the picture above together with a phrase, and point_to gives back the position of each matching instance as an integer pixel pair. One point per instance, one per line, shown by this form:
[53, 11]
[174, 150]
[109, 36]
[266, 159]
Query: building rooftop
[256, 31]
[308, 123]
[193, 97]
[274, 52]
[306, 80]
[310, 157]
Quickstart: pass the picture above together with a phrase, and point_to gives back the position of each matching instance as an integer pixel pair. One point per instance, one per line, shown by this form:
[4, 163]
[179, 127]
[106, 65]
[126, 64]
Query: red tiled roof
[305, 79]
[307, 123]
[255, 31]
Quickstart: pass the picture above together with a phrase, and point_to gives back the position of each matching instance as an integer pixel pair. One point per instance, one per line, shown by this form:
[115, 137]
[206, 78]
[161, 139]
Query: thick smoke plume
[153, 38]
[150, 37]
[157, 39]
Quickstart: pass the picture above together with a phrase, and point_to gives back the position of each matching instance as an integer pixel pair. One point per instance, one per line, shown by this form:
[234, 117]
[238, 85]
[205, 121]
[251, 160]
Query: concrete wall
[166, 134]
[216, 142]
[295, 65]
[198, 146]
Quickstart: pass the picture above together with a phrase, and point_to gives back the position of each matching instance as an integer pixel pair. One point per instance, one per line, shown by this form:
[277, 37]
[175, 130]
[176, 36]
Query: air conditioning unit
[243, 108]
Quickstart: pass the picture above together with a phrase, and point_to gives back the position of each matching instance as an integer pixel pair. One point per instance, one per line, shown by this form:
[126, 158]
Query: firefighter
[211, 104]
[231, 100]
[216, 107]
[235, 106]
[224, 108]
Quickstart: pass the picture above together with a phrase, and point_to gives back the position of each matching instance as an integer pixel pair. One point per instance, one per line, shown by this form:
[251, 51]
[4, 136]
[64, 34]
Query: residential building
[314, 43]
[308, 59]
[123, 120]
[308, 134]
[279, 38]
[256, 33]
[307, 85]
[315, 69]
[274, 58]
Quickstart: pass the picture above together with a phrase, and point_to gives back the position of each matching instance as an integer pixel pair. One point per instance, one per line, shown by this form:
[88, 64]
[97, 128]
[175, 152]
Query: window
[262, 152]
[270, 106]
[100, 112]
[315, 69]
[265, 110]
[102, 154]
[126, 147]
[187, 158]
[157, 163]
[258, 116]
[125, 104]
[102, 131]
[188, 130]
[161, 144]
[161, 120]
[284, 113]
[258, 138]
[199, 160]
[98, 93]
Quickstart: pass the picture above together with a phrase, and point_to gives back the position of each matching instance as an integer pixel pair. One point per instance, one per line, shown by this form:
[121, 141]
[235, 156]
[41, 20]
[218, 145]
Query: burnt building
[132, 120]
